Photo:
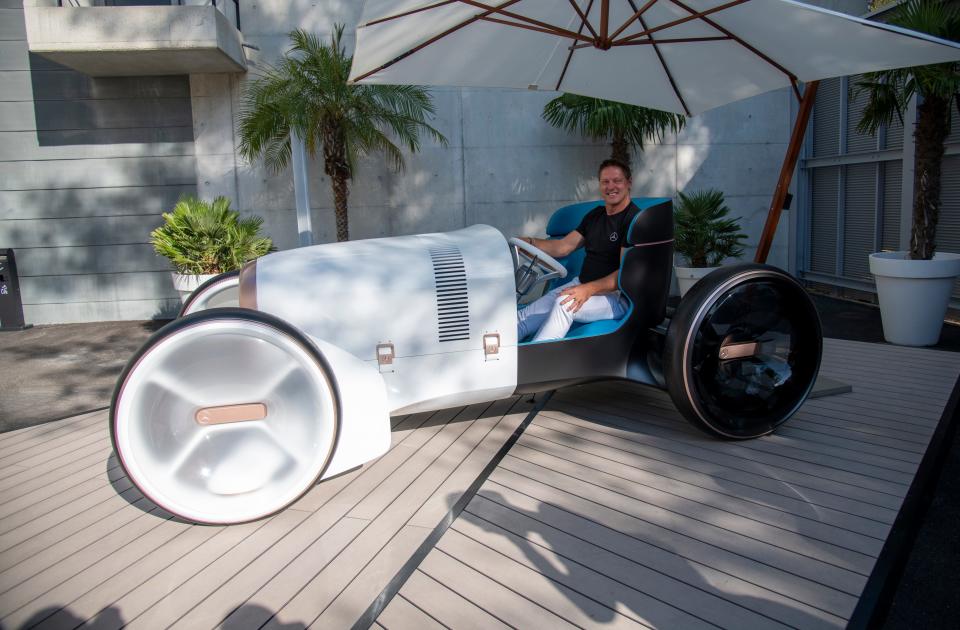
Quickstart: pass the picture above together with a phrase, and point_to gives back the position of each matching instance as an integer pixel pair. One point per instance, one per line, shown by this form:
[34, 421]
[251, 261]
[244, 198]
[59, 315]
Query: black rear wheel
[743, 351]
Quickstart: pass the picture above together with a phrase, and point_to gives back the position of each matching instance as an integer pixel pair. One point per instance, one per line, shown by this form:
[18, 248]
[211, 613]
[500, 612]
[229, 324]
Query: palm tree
[308, 93]
[936, 87]
[624, 126]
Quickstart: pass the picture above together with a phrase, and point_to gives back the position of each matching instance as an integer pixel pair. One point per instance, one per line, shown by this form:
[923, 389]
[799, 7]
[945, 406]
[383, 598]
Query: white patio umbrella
[683, 56]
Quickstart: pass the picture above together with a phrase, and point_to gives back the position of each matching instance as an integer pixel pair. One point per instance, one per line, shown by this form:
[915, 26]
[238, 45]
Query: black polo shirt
[604, 235]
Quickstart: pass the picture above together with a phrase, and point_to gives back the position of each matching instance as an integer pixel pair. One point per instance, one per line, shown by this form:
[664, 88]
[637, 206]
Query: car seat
[644, 273]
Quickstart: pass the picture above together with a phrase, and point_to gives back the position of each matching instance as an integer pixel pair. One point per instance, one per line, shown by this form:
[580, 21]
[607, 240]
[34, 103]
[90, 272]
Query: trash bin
[11, 306]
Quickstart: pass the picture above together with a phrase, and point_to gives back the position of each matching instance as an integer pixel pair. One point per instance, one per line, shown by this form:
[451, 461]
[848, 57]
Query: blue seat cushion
[566, 219]
[591, 329]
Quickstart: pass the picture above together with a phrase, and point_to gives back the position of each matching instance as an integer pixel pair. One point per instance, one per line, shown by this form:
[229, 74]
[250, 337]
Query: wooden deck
[609, 511]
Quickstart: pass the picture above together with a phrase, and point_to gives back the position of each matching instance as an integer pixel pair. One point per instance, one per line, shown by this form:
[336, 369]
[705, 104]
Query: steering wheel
[537, 266]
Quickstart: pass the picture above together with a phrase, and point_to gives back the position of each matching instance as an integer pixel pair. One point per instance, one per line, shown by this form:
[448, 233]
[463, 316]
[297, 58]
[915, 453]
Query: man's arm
[558, 248]
[575, 296]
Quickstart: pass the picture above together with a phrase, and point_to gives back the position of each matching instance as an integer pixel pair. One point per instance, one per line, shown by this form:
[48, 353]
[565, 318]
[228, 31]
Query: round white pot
[913, 295]
[185, 284]
[688, 276]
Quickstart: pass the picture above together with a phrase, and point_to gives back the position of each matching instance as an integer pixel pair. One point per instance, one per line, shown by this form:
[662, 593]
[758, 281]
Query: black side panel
[645, 279]
[552, 364]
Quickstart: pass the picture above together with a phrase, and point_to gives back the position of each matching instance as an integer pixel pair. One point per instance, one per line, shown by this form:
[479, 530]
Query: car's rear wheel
[225, 416]
[742, 351]
[221, 291]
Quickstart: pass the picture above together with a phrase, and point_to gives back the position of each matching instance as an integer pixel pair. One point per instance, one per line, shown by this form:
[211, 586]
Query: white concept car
[230, 414]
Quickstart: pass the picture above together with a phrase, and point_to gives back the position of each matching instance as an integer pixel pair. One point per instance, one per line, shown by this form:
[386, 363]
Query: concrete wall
[86, 167]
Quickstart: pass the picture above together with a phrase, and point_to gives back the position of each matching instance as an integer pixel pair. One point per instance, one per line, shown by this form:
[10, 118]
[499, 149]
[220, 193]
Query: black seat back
[647, 268]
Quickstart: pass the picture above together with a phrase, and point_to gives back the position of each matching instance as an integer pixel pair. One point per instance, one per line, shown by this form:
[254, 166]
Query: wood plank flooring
[609, 511]
[79, 544]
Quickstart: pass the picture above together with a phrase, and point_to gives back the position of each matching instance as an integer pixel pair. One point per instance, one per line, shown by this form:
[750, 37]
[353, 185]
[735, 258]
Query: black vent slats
[450, 276]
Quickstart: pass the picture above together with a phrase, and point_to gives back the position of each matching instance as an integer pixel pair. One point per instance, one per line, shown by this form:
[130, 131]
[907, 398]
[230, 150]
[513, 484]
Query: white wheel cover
[233, 472]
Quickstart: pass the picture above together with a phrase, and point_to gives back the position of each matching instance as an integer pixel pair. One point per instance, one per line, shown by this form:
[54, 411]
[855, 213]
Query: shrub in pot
[203, 239]
[704, 235]
[913, 287]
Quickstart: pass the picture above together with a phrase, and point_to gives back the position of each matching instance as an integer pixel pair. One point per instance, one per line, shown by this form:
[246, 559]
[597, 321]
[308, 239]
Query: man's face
[614, 187]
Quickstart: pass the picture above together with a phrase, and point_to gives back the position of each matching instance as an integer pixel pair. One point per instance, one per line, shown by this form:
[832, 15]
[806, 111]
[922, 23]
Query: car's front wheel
[225, 416]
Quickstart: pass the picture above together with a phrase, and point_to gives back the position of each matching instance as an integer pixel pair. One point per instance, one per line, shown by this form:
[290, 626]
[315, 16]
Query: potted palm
[704, 235]
[913, 287]
[203, 239]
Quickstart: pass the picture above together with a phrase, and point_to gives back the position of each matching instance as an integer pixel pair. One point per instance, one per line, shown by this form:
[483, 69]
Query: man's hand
[575, 296]
[558, 248]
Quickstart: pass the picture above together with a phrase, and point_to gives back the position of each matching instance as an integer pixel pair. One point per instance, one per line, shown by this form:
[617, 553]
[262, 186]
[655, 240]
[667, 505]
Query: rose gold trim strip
[248, 285]
[739, 350]
[652, 243]
[226, 414]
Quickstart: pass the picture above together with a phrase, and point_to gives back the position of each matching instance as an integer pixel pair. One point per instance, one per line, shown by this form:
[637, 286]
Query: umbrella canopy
[683, 56]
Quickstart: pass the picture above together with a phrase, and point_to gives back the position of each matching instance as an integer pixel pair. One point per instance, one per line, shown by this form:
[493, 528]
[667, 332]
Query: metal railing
[160, 3]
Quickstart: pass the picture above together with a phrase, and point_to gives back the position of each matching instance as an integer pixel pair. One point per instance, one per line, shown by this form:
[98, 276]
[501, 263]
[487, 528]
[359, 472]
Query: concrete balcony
[136, 40]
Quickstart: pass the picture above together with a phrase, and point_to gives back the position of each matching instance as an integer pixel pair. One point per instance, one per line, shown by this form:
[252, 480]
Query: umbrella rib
[636, 16]
[433, 39]
[411, 12]
[547, 28]
[680, 21]
[566, 64]
[676, 40]
[702, 16]
[604, 21]
[666, 68]
[583, 18]
[538, 29]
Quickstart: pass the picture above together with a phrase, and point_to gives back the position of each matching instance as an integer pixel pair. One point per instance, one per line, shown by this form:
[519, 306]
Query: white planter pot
[913, 295]
[185, 284]
[688, 276]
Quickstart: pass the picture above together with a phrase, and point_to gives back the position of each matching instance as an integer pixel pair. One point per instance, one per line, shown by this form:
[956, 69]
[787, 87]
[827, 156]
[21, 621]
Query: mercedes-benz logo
[614, 237]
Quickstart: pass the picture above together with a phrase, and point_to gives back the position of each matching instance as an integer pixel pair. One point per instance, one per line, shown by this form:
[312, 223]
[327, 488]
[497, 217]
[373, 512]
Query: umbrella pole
[786, 171]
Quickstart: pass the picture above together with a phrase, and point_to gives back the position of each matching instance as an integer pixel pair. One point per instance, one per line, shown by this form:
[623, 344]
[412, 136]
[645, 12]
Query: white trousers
[549, 319]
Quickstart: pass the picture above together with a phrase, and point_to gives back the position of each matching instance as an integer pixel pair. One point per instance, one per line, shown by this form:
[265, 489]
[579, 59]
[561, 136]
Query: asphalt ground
[52, 372]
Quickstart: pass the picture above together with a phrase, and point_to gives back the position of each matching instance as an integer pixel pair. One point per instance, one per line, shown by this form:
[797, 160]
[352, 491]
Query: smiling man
[593, 295]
